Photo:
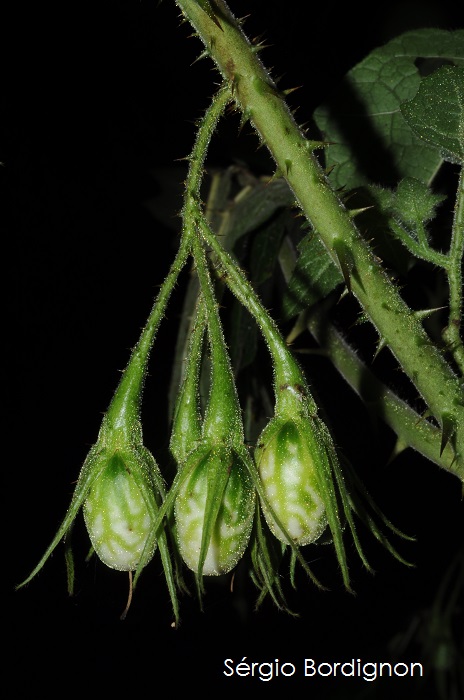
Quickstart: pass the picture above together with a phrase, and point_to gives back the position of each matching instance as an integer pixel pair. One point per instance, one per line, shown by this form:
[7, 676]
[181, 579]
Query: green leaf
[436, 113]
[387, 210]
[252, 207]
[314, 276]
[415, 203]
[396, 221]
[372, 141]
[262, 261]
[243, 342]
[265, 248]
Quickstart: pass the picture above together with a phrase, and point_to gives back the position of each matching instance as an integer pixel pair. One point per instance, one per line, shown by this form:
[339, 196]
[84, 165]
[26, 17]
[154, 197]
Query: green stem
[287, 373]
[451, 334]
[125, 405]
[206, 128]
[222, 416]
[420, 248]
[259, 100]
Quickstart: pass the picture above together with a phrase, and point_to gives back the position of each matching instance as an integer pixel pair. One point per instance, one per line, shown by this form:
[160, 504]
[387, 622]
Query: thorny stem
[456, 254]
[259, 100]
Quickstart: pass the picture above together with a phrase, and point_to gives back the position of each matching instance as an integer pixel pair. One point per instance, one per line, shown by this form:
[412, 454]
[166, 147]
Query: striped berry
[214, 510]
[287, 458]
[117, 513]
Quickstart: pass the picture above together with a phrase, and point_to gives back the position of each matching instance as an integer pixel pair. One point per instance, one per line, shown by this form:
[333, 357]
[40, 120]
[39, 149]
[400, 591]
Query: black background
[98, 108]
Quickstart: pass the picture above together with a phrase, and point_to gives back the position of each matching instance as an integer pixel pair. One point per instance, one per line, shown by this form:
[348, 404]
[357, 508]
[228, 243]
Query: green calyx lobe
[289, 459]
[119, 508]
[214, 510]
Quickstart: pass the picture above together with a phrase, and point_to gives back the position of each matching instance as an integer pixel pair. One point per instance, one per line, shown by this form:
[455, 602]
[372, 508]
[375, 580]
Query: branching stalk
[286, 369]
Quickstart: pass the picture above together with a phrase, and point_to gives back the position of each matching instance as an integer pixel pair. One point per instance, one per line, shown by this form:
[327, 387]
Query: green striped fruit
[214, 509]
[287, 458]
[117, 512]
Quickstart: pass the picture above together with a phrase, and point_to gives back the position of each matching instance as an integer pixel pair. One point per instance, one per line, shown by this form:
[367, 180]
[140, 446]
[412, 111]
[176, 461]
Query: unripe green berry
[218, 496]
[287, 459]
[117, 515]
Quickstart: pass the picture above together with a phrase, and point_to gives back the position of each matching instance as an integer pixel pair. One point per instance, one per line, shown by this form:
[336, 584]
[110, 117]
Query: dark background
[98, 108]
